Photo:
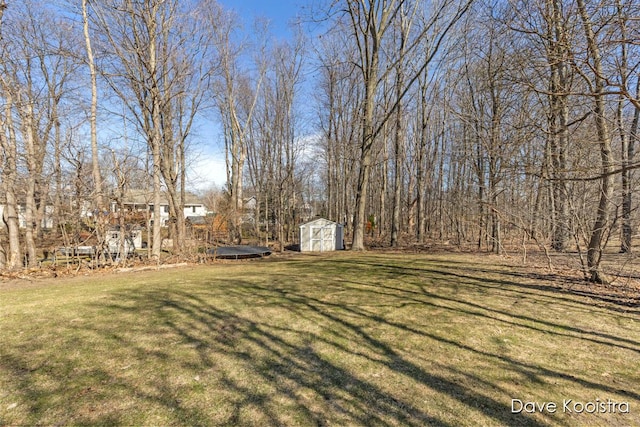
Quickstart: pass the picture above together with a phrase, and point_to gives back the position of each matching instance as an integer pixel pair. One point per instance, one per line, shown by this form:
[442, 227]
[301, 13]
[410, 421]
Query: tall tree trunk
[603, 213]
[369, 40]
[440, 181]
[628, 156]
[480, 168]
[93, 116]
[155, 135]
[33, 172]
[9, 181]
[421, 173]
[559, 126]
[398, 137]
[366, 158]
[627, 139]
[397, 181]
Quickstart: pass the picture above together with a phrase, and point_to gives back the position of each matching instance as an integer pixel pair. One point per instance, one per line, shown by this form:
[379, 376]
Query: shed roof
[320, 221]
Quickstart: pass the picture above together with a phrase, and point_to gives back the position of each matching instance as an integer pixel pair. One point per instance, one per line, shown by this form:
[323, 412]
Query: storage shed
[321, 235]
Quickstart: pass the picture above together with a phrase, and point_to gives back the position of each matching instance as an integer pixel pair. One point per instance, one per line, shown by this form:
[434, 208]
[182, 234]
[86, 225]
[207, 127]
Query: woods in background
[492, 124]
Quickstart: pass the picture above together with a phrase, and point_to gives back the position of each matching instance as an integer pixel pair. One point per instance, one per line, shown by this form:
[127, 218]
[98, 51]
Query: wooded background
[491, 123]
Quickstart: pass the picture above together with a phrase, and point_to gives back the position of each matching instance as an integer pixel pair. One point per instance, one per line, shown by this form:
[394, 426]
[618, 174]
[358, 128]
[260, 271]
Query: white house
[45, 223]
[132, 239]
[321, 235]
[142, 200]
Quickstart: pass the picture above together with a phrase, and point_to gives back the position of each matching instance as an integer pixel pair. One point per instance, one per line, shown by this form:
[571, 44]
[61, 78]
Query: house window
[166, 209]
[193, 209]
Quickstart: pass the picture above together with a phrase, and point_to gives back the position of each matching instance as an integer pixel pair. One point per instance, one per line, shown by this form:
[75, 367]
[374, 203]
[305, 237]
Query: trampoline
[239, 252]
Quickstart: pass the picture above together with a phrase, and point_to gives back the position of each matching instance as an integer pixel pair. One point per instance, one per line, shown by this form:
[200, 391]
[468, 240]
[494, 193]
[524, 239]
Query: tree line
[474, 122]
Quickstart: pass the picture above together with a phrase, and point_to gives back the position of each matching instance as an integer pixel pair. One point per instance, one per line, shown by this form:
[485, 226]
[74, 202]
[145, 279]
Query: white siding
[46, 223]
[321, 235]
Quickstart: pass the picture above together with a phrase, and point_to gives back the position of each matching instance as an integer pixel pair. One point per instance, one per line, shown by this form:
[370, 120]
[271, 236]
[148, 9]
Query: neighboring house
[304, 211]
[142, 201]
[250, 204]
[47, 220]
[194, 209]
[136, 203]
[131, 239]
[249, 209]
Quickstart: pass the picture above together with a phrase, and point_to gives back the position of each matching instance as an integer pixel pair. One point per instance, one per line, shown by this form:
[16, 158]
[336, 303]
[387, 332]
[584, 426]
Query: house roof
[140, 196]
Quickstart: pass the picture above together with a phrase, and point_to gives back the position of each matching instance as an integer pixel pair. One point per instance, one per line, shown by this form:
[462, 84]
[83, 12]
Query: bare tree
[9, 171]
[273, 149]
[95, 159]
[236, 95]
[597, 86]
[132, 35]
[370, 23]
[37, 68]
[123, 164]
[559, 89]
[553, 31]
[9, 181]
[402, 28]
[339, 93]
[155, 54]
[628, 134]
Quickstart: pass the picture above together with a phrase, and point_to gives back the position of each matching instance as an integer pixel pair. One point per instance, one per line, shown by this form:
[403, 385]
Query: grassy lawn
[341, 339]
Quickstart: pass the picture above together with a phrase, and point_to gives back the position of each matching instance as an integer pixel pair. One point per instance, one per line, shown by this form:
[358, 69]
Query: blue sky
[208, 166]
[279, 12]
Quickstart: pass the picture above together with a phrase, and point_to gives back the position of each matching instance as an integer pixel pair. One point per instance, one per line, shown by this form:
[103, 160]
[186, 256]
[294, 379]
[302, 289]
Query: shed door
[321, 239]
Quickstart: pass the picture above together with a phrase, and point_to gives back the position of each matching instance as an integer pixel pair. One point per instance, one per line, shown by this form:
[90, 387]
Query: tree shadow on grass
[562, 287]
[531, 371]
[270, 368]
[415, 291]
[278, 351]
[286, 376]
[316, 365]
[517, 289]
[63, 390]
